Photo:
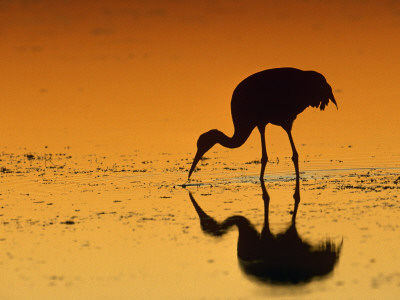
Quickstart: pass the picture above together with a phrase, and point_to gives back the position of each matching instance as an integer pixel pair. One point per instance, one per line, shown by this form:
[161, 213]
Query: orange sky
[135, 73]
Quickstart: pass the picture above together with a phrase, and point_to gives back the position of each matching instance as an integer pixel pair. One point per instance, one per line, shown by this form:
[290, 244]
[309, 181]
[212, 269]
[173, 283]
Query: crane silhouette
[273, 96]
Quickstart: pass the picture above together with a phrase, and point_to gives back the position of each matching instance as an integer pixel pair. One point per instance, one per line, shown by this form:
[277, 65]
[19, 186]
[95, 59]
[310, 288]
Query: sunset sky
[159, 73]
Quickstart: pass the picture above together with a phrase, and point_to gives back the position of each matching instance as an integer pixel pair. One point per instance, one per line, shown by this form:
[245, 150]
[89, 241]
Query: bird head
[320, 92]
[328, 96]
[205, 142]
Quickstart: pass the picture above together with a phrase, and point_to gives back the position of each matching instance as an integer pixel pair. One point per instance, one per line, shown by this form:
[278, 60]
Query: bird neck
[237, 140]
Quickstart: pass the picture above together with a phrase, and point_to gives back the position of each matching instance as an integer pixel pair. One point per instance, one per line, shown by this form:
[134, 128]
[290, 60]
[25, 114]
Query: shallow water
[111, 225]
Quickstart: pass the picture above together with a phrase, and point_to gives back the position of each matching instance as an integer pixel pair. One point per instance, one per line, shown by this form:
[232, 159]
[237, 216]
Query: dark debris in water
[68, 222]
[192, 184]
[256, 162]
[5, 170]
[30, 156]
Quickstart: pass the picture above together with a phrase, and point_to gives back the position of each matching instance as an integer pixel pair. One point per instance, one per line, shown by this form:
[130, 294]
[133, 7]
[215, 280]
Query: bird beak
[333, 100]
[195, 161]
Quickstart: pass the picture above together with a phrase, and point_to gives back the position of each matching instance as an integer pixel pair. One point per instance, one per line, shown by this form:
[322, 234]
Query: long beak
[195, 161]
[333, 100]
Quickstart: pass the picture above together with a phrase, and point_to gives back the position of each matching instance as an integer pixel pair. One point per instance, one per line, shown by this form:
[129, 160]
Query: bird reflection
[281, 258]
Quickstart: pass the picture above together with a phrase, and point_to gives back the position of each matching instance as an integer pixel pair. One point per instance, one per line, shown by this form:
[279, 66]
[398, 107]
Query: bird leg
[295, 159]
[264, 157]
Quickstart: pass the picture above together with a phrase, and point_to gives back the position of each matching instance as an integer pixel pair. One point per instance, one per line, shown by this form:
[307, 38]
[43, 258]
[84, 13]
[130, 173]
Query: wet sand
[80, 226]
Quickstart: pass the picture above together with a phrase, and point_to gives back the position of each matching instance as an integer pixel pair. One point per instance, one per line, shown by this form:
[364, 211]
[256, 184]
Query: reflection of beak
[195, 161]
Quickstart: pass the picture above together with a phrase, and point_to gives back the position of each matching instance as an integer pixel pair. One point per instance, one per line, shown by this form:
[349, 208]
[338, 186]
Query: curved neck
[237, 140]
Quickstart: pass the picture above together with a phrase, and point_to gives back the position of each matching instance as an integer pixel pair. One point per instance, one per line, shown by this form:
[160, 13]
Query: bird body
[277, 96]
[273, 96]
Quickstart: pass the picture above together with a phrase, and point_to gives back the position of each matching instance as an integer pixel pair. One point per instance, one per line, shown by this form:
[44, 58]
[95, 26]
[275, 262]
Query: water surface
[113, 225]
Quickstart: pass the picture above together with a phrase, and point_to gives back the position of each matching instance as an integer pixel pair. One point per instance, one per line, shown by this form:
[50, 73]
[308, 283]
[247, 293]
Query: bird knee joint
[264, 160]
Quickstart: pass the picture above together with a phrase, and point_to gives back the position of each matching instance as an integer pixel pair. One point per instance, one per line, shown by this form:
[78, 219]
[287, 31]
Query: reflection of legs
[264, 157]
[295, 159]
[265, 233]
[296, 202]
